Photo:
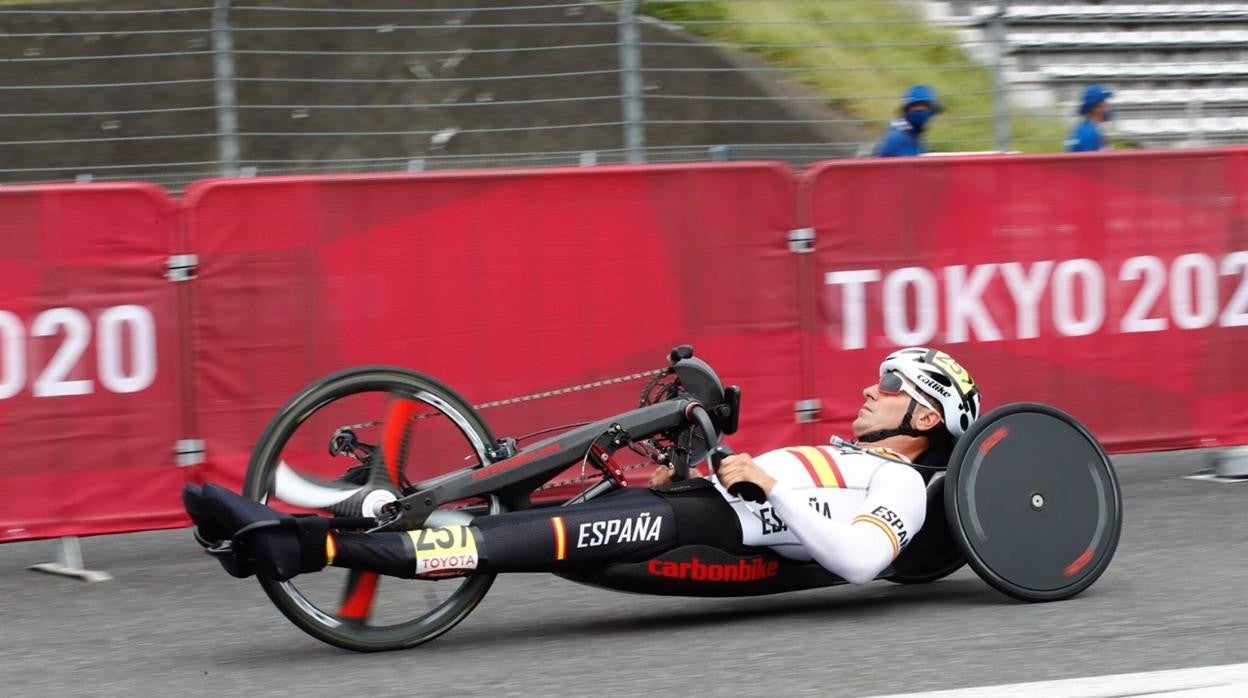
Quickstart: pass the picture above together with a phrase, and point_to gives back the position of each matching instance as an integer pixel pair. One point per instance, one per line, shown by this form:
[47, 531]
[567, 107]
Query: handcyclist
[851, 507]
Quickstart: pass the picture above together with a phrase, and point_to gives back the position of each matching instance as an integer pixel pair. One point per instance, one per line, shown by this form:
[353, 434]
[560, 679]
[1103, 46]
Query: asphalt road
[173, 623]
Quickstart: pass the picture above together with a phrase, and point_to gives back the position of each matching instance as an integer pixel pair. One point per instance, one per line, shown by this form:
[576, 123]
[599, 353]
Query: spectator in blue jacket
[905, 135]
[1095, 110]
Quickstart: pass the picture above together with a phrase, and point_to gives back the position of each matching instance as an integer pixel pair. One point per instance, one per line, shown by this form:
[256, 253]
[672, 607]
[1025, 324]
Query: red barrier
[499, 283]
[1114, 286]
[89, 384]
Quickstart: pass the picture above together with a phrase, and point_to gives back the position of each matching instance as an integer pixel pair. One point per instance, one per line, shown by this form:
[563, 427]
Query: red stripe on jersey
[810, 467]
[836, 469]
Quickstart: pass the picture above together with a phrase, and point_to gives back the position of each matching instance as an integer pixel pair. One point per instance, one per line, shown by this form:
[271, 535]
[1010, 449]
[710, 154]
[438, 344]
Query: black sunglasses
[893, 383]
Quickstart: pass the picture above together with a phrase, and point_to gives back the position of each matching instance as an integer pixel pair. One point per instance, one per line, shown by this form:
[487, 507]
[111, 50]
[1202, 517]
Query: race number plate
[444, 551]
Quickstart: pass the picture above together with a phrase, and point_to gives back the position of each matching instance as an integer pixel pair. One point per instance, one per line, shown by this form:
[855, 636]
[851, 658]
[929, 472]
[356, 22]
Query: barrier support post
[69, 563]
[1231, 462]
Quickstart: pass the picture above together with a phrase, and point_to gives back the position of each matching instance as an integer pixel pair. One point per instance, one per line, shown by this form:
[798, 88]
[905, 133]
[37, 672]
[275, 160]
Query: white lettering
[643, 527]
[1193, 291]
[1153, 271]
[965, 308]
[1074, 290]
[626, 531]
[12, 355]
[1236, 313]
[1026, 288]
[142, 329]
[853, 304]
[1065, 315]
[896, 327]
[125, 352]
[52, 382]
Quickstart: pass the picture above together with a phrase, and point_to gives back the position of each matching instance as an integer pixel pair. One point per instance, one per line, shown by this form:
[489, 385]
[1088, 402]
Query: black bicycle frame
[514, 478]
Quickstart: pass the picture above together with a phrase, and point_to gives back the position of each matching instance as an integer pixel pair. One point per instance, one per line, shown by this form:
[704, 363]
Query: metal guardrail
[195, 88]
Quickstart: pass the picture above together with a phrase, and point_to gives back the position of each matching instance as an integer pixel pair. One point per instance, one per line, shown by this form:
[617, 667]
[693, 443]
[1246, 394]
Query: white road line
[1226, 681]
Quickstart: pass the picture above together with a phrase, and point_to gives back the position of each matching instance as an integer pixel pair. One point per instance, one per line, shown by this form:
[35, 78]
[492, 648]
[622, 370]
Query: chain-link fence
[170, 91]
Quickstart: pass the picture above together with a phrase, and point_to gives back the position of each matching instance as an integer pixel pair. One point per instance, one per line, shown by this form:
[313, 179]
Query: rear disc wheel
[1033, 502]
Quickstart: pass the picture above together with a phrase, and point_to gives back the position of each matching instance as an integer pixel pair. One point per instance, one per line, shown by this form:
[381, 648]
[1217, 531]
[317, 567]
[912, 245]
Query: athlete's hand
[741, 468]
[661, 476]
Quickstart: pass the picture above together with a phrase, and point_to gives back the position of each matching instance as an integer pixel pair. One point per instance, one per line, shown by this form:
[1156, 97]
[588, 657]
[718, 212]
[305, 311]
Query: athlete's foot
[210, 532]
[262, 540]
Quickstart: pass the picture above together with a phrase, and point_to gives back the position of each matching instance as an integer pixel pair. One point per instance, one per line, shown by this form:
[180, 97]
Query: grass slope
[863, 54]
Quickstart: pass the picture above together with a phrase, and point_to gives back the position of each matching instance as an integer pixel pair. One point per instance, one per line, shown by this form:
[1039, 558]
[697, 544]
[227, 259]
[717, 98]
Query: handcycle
[1029, 498]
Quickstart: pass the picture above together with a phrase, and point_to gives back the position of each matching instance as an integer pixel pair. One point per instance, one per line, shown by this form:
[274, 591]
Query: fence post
[1001, 116]
[630, 82]
[69, 563]
[1230, 462]
[1196, 137]
[223, 72]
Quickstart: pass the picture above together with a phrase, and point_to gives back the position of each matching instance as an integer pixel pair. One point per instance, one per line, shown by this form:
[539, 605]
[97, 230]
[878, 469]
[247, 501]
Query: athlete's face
[884, 409]
[879, 410]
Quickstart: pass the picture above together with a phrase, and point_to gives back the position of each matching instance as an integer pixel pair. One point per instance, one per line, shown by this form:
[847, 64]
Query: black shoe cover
[280, 547]
[210, 532]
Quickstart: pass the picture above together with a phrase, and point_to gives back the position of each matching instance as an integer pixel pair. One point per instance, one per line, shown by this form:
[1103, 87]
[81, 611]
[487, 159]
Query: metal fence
[172, 91]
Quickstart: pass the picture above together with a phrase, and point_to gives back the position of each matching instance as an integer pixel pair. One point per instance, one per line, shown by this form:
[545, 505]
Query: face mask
[1109, 114]
[917, 118]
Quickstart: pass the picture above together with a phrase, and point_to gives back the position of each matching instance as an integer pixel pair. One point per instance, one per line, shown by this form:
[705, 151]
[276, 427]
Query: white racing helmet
[937, 375]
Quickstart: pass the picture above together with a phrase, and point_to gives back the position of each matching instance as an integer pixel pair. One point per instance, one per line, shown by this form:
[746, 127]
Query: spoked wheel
[1033, 502]
[345, 445]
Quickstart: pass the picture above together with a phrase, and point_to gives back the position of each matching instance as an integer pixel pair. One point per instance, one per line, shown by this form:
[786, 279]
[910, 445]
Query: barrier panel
[1114, 286]
[499, 283]
[90, 403]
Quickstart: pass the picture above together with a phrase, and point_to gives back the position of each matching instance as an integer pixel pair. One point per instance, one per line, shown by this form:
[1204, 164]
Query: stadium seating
[1179, 70]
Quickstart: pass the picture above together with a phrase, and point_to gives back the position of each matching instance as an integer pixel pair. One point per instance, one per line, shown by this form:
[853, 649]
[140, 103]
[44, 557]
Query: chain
[564, 391]
[553, 484]
[534, 396]
[538, 396]
[570, 389]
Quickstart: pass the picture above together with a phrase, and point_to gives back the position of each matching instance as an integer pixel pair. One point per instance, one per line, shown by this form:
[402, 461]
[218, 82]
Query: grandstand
[1178, 69]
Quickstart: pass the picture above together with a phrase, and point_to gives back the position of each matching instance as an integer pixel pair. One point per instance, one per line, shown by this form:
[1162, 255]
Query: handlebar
[745, 490]
[712, 409]
[696, 414]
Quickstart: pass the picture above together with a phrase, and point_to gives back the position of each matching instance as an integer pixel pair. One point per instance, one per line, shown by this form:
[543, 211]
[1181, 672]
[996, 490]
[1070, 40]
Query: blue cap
[1092, 96]
[921, 93]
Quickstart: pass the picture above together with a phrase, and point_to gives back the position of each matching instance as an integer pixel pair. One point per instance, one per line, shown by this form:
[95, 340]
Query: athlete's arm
[891, 515]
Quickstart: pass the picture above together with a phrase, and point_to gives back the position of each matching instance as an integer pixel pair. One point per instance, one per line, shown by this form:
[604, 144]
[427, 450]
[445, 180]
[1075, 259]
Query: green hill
[863, 54]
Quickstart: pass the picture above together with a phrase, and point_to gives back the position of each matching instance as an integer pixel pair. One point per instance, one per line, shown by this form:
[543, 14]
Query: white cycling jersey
[851, 512]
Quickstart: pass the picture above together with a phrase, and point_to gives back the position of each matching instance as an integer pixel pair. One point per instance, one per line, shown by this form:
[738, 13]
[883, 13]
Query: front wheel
[345, 445]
